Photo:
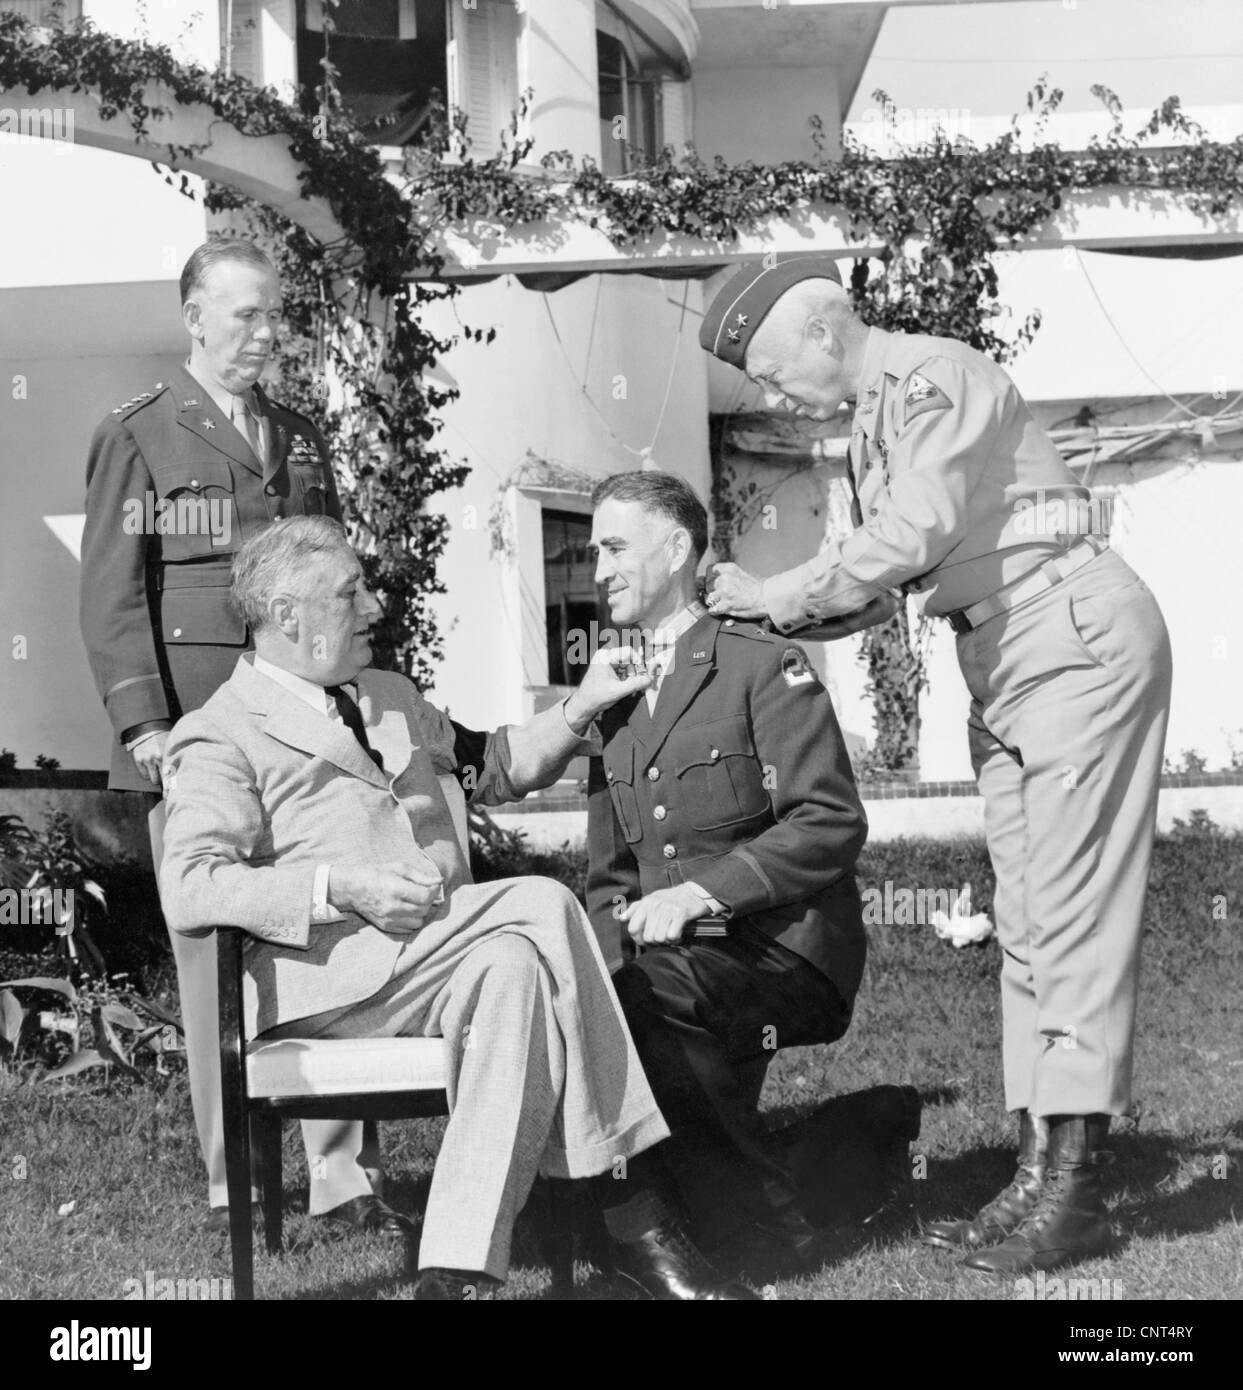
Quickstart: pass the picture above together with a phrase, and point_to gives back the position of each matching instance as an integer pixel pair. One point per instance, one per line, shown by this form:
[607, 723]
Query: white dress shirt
[224, 402]
[661, 651]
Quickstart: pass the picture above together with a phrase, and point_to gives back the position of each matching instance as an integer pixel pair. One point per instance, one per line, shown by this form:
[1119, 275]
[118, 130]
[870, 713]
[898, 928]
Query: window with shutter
[239, 39]
[44, 12]
[483, 69]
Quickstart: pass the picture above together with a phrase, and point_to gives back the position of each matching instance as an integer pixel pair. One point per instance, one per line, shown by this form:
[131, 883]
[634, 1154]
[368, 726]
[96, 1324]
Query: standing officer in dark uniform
[177, 479]
[722, 792]
[960, 495]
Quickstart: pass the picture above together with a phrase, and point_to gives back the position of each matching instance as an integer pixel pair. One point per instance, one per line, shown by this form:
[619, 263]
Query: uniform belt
[1029, 586]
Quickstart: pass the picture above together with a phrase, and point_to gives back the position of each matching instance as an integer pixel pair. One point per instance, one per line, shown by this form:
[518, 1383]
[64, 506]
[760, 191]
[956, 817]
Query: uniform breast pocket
[195, 514]
[619, 774]
[201, 615]
[310, 486]
[719, 774]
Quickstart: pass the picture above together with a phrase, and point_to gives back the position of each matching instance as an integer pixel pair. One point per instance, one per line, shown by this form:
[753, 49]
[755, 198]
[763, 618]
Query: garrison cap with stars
[742, 304]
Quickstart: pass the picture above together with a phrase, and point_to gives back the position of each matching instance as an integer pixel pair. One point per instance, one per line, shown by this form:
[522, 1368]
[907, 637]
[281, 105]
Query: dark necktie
[352, 717]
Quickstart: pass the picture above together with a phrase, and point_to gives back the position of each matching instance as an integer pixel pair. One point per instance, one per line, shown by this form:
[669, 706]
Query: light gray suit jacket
[261, 789]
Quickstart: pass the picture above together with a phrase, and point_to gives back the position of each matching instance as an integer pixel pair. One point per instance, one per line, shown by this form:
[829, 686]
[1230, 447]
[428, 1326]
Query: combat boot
[1003, 1215]
[1067, 1222]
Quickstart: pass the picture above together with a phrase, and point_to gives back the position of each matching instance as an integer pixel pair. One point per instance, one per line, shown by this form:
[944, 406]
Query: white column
[559, 51]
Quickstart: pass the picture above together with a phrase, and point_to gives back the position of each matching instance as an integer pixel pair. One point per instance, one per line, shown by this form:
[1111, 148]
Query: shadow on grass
[1175, 1187]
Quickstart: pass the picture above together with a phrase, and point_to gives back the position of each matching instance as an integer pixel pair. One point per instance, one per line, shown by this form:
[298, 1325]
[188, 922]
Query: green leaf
[80, 1061]
[122, 1017]
[11, 1015]
[62, 987]
[158, 1011]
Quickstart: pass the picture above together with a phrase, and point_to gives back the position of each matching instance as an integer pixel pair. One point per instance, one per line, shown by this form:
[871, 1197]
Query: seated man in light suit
[304, 806]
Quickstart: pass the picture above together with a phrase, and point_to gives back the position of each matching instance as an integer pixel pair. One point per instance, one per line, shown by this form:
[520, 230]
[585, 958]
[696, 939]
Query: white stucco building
[600, 375]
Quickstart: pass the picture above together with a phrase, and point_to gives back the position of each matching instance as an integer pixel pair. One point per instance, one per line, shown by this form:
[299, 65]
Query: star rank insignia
[733, 335]
[741, 320]
[922, 395]
[209, 424]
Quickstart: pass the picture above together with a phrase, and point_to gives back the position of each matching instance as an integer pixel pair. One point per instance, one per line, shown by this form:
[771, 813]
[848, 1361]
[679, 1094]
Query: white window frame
[528, 505]
[485, 125]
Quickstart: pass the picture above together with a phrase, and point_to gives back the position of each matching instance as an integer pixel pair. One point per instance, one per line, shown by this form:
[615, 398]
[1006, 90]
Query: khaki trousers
[1070, 700]
[340, 1153]
[541, 1073]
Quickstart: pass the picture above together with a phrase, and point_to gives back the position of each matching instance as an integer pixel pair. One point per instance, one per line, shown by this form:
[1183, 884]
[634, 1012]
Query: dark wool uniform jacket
[160, 633]
[739, 782]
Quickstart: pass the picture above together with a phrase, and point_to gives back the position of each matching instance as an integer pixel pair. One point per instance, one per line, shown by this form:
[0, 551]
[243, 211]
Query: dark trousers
[707, 1017]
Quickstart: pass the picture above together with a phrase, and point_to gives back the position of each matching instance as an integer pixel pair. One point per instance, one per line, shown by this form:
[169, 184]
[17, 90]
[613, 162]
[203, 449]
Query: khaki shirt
[959, 490]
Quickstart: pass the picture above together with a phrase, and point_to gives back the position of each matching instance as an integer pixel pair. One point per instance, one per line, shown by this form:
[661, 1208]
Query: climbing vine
[359, 354]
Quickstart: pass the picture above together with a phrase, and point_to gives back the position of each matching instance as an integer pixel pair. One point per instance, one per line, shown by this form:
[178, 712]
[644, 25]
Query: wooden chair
[316, 1079]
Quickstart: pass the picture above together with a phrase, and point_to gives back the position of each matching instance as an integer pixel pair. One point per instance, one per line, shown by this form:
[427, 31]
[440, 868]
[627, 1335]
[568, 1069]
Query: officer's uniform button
[653, 773]
[872, 511]
[729, 622]
[867, 465]
[670, 851]
[659, 813]
[714, 754]
[270, 490]
[608, 776]
[194, 482]
[176, 632]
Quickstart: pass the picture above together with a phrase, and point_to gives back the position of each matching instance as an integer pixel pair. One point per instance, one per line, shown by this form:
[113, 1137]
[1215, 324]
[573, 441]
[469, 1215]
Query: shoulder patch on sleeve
[922, 395]
[796, 669]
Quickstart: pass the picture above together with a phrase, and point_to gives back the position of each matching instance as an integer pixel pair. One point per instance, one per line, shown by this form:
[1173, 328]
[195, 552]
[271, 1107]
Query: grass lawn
[126, 1157]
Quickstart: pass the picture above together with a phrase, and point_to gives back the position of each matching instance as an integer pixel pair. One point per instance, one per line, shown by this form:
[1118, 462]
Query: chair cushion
[345, 1066]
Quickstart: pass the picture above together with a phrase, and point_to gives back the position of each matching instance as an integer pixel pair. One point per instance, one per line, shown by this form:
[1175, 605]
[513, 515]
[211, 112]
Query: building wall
[89, 316]
[761, 112]
[50, 705]
[586, 378]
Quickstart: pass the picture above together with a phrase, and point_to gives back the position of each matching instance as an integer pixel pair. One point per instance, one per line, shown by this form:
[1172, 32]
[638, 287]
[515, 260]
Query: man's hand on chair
[392, 897]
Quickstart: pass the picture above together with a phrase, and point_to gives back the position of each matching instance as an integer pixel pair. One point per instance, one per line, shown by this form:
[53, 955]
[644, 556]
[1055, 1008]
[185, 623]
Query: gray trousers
[1070, 701]
[542, 1075]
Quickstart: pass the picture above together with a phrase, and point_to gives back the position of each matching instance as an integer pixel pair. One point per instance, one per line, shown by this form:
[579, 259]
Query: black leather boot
[1067, 1223]
[1003, 1215]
